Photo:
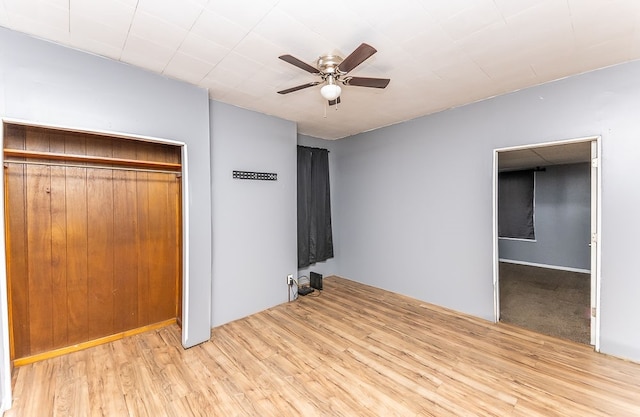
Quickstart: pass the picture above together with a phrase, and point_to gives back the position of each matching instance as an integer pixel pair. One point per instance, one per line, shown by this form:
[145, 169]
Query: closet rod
[57, 164]
[21, 153]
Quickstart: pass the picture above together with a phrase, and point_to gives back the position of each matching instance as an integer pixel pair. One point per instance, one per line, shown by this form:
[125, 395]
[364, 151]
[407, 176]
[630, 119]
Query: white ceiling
[439, 53]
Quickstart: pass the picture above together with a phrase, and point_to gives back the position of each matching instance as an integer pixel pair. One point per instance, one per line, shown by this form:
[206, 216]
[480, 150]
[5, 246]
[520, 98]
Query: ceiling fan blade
[333, 102]
[356, 58]
[367, 82]
[298, 87]
[300, 64]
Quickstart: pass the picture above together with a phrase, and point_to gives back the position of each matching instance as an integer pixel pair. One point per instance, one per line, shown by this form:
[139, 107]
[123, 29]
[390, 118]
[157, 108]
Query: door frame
[5, 352]
[5, 358]
[595, 233]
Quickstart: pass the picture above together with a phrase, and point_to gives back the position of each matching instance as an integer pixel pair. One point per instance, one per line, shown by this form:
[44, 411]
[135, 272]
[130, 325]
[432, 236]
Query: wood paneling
[353, 351]
[76, 239]
[16, 253]
[125, 233]
[100, 260]
[91, 251]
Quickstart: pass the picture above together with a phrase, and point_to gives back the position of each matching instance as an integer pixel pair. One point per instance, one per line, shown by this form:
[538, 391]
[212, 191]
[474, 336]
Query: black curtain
[315, 240]
[516, 204]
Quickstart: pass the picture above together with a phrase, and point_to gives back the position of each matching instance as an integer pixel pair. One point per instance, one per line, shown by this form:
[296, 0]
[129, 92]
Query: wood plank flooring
[353, 351]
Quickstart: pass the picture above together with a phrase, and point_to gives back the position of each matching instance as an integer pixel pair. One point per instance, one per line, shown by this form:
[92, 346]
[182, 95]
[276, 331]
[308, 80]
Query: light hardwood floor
[353, 351]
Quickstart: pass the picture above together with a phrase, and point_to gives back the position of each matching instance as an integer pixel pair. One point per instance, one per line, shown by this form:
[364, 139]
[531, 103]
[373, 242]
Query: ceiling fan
[333, 70]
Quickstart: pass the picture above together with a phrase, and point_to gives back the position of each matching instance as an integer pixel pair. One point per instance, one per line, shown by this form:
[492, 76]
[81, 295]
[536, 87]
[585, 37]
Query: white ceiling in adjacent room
[438, 54]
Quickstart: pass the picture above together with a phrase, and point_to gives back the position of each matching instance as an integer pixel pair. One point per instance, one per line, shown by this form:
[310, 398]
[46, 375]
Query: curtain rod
[311, 147]
[536, 169]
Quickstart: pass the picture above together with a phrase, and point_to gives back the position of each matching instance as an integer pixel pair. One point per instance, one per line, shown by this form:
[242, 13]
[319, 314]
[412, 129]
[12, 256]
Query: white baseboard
[5, 406]
[560, 268]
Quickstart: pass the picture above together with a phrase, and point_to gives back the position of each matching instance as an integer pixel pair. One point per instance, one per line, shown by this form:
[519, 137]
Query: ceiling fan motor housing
[328, 64]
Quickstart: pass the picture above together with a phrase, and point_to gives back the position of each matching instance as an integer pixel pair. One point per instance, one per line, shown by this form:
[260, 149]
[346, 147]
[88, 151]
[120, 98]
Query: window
[516, 205]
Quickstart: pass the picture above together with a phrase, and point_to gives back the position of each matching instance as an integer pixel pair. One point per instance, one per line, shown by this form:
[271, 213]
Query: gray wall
[46, 83]
[415, 206]
[254, 222]
[330, 266]
[562, 221]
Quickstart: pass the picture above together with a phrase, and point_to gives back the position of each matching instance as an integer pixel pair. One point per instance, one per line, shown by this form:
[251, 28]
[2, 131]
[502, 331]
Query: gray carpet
[547, 301]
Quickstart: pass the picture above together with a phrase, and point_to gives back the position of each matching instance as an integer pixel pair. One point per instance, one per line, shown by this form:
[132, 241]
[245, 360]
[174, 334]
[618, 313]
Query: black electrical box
[315, 280]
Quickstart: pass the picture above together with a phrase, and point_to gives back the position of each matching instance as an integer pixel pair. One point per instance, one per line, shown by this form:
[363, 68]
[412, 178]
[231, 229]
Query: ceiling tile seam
[175, 52]
[636, 34]
[476, 64]
[126, 39]
[504, 19]
[482, 69]
[541, 157]
[573, 28]
[239, 42]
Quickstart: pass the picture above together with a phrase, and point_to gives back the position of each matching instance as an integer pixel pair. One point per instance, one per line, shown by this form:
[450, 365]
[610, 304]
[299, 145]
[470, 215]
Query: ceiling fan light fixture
[330, 91]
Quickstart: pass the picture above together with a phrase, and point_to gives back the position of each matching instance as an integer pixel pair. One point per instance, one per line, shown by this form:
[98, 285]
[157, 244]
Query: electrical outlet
[290, 279]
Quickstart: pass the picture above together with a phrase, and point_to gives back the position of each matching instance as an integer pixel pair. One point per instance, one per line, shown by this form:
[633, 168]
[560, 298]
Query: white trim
[494, 201]
[598, 268]
[598, 243]
[185, 247]
[547, 144]
[539, 265]
[5, 405]
[100, 132]
[5, 360]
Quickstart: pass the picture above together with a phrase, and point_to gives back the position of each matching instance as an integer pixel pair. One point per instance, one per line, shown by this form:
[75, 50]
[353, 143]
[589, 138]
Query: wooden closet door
[92, 252]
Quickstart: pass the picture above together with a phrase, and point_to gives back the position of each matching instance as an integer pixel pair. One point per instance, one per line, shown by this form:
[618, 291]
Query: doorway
[559, 258]
[93, 238]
